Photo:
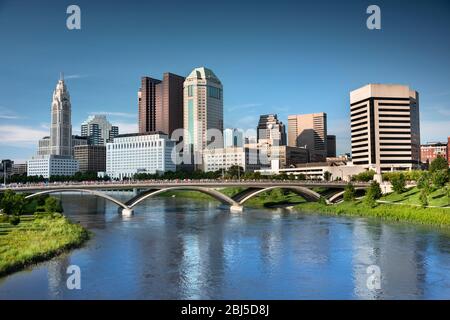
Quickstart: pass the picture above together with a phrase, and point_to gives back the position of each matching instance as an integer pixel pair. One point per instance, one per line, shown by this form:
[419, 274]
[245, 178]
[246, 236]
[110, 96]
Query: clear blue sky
[283, 57]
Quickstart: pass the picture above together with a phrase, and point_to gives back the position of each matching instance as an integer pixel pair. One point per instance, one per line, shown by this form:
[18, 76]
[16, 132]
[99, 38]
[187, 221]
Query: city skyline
[314, 60]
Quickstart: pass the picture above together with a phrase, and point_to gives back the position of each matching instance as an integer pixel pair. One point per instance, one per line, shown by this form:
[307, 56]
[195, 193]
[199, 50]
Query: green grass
[37, 239]
[411, 197]
[439, 217]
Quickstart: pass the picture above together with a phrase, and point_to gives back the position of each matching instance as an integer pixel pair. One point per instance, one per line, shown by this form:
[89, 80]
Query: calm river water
[175, 248]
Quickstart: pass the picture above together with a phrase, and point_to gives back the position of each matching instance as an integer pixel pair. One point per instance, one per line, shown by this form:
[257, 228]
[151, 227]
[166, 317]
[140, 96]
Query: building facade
[203, 112]
[91, 158]
[52, 165]
[224, 158]
[61, 121]
[161, 104]
[98, 130]
[270, 130]
[309, 131]
[331, 146]
[129, 154]
[285, 155]
[233, 138]
[19, 169]
[385, 127]
[432, 150]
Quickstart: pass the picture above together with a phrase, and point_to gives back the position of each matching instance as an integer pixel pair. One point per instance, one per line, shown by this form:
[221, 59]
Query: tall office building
[385, 127]
[233, 138]
[331, 146]
[91, 158]
[203, 111]
[270, 130]
[309, 131]
[61, 122]
[161, 104]
[98, 130]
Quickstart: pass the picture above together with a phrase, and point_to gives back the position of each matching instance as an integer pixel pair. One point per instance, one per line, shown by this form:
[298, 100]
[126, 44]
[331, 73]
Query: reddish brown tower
[161, 104]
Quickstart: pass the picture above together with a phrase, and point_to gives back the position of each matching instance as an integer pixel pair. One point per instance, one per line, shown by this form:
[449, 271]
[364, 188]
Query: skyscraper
[270, 130]
[309, 131]
[233, 138]
[385, 127]
[98, 130]
[331, 146]
[161, 104]
[203, 110]
[61, 122]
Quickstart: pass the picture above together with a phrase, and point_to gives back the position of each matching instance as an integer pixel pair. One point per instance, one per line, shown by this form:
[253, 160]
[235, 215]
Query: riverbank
[405, 212]
[438, 217]
[36, 239]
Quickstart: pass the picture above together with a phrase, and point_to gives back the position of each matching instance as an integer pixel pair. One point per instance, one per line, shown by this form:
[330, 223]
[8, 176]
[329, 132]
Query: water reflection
[182, 249]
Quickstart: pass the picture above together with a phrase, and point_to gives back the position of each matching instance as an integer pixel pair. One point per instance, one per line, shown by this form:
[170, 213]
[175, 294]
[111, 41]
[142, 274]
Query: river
[175, 248]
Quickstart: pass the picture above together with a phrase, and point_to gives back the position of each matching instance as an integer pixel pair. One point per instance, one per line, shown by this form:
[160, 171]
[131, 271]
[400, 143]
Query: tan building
[385, 127]
[91, 158]
[309, 131]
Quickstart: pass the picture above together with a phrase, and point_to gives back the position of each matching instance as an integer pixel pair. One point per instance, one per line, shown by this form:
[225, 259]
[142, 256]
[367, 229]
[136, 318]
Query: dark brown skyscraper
[161, 104]
[147, 104]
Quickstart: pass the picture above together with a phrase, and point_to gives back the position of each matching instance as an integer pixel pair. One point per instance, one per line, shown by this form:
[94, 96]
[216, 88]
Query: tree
[398, 182]
[373, 194]
[438, 164]
[327, 175]
[235, 171]
[52, 205]
[440, 178]
[12, 203]
[423, 197]
[424, 180]
[365, 176]
[349, 192]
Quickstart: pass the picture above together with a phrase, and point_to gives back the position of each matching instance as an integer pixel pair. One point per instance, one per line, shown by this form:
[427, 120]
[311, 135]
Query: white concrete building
[316, 170]
[129, 154]
[224, 158]
[52, 165]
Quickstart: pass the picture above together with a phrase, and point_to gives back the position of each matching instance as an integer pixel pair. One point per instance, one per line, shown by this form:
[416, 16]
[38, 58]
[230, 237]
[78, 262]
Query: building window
[190, 91]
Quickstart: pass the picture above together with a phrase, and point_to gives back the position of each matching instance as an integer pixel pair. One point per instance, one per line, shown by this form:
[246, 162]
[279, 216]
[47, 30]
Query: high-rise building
[98, 130]
[91, 158]
[309, 131]
[385, 127]
[331, 146]
[233, 138]
[270, 130]
[135, 153]
[203, 111]
[161, 104]
[61, 122]
[147, 104]
[169, 103]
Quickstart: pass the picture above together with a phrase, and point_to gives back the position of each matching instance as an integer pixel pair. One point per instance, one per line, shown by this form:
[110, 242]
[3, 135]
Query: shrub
[52, 205]
[438, 164]
[365, 176]
[349, 192]
[14, 220]
[423, 197]
[440, 178]
[398, 182]
[424, 181]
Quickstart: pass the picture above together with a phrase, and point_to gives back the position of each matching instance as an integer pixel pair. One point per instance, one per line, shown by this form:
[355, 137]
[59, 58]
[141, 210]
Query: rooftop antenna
[61, 76]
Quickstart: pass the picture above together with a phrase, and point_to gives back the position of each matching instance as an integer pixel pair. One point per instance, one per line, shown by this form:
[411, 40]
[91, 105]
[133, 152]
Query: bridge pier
[236, 209]
[127, 212]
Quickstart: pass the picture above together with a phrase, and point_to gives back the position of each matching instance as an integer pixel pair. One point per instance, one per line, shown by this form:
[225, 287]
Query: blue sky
[284, 57]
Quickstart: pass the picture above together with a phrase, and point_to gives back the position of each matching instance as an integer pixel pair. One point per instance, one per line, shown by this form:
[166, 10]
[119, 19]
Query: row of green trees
[13, 205]
[78, 177]
[373, 193]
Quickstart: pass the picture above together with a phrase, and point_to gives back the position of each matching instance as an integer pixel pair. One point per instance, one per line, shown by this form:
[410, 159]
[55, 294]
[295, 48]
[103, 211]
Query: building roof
[140, 134]
[203, 73]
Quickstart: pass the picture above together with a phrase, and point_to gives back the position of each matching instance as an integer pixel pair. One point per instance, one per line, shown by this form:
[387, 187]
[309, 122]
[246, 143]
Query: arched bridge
[236, 202]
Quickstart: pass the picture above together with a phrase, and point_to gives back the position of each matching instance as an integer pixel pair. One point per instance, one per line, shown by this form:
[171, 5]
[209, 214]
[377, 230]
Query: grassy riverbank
[35, 239]
[439, 217]
[402, 210]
